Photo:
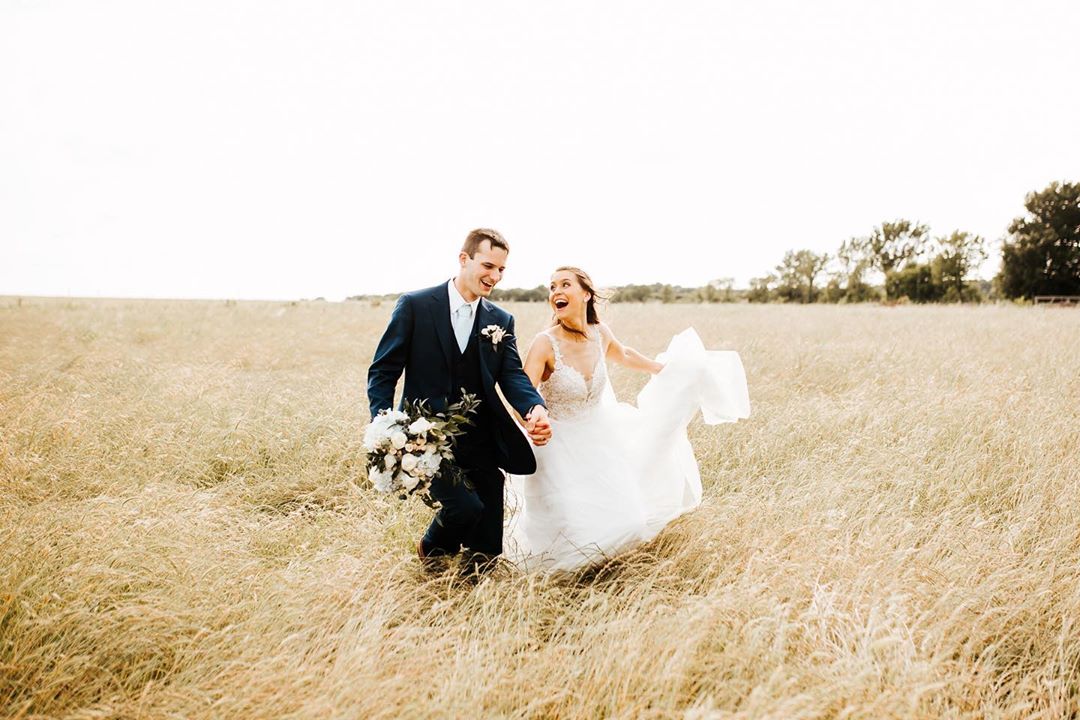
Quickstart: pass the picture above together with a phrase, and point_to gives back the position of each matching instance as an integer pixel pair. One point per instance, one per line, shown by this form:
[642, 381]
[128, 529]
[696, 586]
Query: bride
[612, 475]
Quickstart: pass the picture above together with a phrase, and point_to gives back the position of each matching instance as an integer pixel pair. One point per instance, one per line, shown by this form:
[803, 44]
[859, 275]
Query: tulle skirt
[614, 476]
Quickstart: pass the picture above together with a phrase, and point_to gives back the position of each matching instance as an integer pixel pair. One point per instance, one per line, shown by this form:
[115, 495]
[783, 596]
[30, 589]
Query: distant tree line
[900, 261]
[912, 264]
[722, 290]
[1040, 256]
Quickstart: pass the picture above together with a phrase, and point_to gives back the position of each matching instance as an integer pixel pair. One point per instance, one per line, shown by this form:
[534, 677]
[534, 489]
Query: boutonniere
[495, 335]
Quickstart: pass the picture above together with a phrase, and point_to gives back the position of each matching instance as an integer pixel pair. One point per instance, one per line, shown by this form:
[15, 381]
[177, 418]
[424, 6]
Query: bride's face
[568, 299]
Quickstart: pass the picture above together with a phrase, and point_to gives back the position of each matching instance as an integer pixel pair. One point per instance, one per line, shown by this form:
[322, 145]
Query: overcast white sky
[269, 149]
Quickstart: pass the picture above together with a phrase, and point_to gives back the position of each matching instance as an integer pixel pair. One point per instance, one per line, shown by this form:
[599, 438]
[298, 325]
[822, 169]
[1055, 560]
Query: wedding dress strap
[555, 347]
[558, 351]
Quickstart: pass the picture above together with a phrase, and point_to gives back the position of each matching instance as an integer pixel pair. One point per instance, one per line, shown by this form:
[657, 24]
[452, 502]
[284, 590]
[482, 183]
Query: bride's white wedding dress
[613, 475]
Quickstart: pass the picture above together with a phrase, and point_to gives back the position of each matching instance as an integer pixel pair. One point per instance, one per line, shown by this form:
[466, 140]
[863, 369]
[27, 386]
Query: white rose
[383, 481]
[421, 426]
[430, 462]
[398, 439]
[408, 481]
[390, 459]
[375, 433]
[408, 463]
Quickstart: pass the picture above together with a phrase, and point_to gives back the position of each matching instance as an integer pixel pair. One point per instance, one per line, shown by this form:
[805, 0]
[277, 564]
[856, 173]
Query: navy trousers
[470, 518]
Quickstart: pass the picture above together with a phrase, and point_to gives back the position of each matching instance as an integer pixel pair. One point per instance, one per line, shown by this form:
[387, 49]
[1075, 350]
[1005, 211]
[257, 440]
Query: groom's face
[482, 272]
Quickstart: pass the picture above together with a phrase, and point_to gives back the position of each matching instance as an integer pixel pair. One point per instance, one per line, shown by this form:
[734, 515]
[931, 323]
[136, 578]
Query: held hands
[538, 426]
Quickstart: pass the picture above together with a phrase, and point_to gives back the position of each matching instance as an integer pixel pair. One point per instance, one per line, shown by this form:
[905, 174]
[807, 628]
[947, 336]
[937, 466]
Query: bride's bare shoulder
[611, 343]
[541, 342]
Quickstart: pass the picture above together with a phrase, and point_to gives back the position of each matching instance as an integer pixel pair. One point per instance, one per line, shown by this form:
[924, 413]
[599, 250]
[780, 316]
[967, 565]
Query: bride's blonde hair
[592, 317]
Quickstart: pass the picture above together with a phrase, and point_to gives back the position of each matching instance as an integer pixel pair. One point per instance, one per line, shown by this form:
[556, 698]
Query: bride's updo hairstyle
[586, 283]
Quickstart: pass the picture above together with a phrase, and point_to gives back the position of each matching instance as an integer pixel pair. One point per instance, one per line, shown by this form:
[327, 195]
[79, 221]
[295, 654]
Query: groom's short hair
[479, 235]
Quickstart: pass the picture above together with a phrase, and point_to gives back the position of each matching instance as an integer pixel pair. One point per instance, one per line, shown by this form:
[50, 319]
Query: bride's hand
[538, 426]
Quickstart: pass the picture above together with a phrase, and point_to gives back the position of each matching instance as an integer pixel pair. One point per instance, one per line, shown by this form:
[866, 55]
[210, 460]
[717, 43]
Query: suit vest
[476, 448]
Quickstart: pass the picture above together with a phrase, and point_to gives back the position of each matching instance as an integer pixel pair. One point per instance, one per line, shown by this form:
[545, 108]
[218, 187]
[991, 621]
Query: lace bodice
[566, 392]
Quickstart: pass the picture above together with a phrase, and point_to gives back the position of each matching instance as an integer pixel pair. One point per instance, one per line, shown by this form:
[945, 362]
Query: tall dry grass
[185, 530]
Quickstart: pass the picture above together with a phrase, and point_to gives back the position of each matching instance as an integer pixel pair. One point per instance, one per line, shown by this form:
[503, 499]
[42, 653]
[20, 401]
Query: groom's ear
[462, 257]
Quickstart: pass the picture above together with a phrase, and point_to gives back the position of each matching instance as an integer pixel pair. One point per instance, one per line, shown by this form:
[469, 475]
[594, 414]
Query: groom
[436, 336]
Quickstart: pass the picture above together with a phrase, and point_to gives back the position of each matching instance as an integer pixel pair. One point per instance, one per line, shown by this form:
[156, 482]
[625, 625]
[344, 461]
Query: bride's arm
[627, 356]
[540, 361]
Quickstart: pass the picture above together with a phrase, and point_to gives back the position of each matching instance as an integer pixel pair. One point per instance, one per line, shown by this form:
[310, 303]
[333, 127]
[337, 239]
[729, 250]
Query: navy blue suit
[419, 342]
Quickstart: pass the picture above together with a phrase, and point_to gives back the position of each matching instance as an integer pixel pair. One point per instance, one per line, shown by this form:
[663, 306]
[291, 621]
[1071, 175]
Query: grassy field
[186, 531]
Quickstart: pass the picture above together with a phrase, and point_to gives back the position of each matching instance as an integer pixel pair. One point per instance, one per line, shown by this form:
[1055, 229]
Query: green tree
[892, 245]
[719, 290]
[632, 293]
[960, 253]
[762, 289]
[915, 281]
[1041, 255]
[536, 294]
[834, 289]
[797, 273]
[854, 262]
[724, 289]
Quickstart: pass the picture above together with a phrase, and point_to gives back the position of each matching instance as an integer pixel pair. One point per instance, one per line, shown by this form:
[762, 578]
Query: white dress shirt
[462, 315]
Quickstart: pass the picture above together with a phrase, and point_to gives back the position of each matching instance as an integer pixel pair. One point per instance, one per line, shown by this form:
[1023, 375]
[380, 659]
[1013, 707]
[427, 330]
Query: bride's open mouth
[561, 303]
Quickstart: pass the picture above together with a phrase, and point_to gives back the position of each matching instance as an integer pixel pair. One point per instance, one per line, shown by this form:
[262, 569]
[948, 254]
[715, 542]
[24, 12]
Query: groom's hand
[538, 426]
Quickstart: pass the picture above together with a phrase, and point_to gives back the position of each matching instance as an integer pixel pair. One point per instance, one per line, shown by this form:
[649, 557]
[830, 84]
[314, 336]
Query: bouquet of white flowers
[407, 449]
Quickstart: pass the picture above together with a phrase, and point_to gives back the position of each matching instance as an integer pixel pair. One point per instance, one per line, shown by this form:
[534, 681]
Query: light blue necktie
[463, 325]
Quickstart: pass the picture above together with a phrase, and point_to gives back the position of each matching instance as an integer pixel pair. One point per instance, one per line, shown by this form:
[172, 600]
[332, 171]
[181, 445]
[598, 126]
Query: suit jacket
[419, 341]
